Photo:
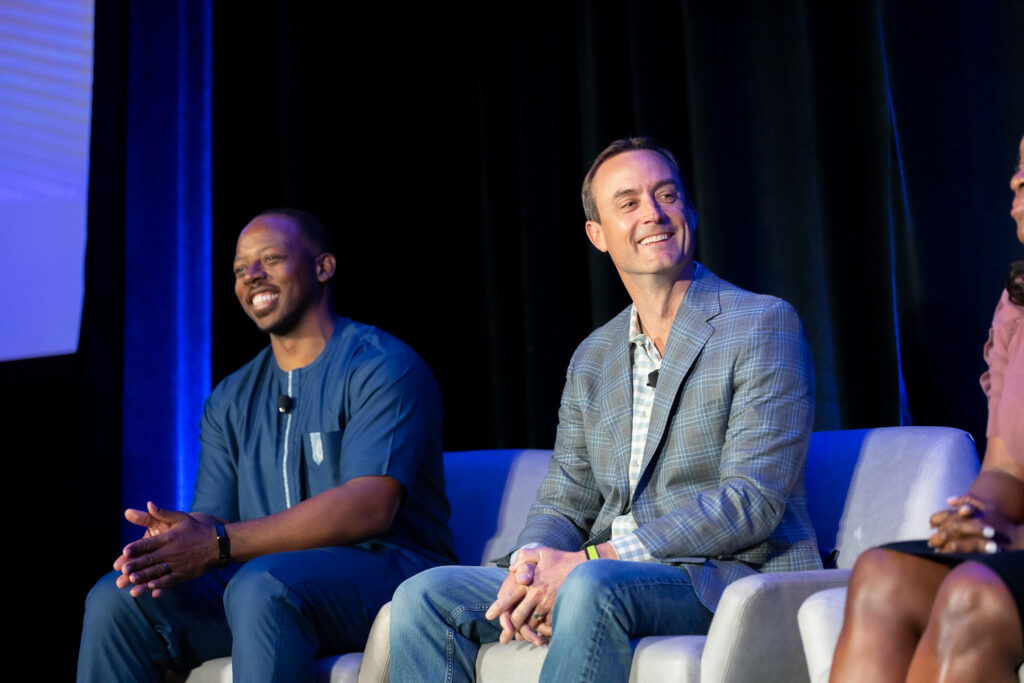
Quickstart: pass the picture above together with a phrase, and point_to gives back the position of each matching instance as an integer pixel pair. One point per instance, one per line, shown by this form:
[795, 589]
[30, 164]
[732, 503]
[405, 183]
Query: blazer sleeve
[769, 422]
[569, 497]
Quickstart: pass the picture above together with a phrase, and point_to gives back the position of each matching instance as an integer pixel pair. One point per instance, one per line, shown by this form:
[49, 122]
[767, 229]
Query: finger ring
[164, 565]
[537, 616]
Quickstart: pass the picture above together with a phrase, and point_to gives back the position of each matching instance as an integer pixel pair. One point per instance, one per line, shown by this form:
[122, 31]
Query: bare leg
[887, 609]
[974, 632]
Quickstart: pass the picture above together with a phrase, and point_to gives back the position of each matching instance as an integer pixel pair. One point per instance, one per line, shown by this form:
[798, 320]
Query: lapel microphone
[652, 379]
[284, 403]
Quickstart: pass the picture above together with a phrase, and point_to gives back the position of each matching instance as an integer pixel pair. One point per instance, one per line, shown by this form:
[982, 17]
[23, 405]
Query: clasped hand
[970, 525]
[527, 596]
[176, 547]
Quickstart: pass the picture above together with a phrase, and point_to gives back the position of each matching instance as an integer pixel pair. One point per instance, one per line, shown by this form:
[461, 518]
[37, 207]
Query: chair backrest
[490, 493]
[866, 487]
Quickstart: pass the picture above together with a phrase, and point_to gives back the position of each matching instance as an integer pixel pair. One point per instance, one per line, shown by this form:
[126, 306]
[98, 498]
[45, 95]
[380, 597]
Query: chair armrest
[754, 635]
[376, 665]
[667, 658]
[821, 620]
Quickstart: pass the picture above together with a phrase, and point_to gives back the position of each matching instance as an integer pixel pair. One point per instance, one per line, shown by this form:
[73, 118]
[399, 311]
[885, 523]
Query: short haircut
[317, 236]
[633, 145]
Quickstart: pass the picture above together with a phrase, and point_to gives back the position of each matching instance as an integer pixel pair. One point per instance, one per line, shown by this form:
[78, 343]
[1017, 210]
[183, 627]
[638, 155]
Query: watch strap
[223, 545]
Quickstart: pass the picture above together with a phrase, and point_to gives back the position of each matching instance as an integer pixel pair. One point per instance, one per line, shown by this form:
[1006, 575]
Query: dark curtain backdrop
[852, 158]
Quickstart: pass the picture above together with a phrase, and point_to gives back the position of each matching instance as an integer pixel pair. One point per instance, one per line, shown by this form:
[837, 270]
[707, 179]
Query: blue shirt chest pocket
[321, 461]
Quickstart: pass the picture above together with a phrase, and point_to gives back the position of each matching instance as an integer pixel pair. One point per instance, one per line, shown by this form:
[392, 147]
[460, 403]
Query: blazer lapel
[690, 332]
[617, 401]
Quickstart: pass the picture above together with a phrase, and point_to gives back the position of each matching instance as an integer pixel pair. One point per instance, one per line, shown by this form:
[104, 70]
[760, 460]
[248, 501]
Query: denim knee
[418, 586]
[591, 582]
[416, 593]
[450, 595]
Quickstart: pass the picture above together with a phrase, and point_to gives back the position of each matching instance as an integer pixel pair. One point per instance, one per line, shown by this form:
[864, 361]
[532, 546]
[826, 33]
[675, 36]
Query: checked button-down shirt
[646, 359]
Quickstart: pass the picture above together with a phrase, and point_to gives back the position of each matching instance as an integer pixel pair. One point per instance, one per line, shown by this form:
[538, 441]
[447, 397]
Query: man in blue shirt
[320, 488]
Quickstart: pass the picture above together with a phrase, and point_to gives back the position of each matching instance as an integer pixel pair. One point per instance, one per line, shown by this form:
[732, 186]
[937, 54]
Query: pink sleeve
[1002, 350]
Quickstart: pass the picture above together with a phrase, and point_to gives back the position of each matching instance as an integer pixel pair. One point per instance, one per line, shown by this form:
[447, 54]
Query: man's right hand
[512, 591]
[526, 598]
[176, 547]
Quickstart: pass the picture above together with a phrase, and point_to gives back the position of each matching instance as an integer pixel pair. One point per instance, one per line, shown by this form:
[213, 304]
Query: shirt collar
[635, 335]
[640, 342]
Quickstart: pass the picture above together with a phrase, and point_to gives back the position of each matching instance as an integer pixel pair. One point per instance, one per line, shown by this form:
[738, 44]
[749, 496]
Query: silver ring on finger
[167, 569]
[538, 617]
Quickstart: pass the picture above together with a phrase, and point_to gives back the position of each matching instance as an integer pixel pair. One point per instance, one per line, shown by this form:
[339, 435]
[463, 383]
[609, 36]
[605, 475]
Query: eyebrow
[269, 246]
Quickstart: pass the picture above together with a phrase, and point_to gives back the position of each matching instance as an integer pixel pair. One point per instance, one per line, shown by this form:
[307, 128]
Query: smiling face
[1017, 186]
[278, 278]
[642, 216]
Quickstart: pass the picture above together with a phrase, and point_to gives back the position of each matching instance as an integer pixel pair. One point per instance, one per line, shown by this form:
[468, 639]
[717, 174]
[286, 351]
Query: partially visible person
[319, 490]
[952, 609]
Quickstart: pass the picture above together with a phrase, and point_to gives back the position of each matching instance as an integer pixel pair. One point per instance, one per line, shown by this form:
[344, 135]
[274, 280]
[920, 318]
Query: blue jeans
[273, 615]
[438, 624]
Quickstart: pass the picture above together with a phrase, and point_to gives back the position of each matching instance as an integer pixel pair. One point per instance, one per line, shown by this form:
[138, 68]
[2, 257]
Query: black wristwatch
[223, 545]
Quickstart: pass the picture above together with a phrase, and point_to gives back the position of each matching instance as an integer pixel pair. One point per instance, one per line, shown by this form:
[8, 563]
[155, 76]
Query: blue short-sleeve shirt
[368, 405]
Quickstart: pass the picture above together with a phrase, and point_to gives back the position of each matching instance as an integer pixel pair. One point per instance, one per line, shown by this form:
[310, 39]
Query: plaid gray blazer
[721, 492]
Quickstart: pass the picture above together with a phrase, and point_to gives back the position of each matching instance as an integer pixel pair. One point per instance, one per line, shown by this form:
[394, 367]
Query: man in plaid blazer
[678, 465]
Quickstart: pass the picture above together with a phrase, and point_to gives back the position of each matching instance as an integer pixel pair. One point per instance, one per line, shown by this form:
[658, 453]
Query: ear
[596, 235]
[325, 265]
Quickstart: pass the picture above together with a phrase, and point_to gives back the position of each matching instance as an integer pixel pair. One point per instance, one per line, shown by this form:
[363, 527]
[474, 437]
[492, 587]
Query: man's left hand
[176, 547]
[527, 615]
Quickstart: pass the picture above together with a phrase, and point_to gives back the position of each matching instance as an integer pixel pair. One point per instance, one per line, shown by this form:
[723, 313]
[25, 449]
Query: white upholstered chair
[865, 487]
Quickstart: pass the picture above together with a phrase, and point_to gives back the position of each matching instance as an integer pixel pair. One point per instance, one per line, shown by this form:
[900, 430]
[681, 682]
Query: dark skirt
[1008, 566]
